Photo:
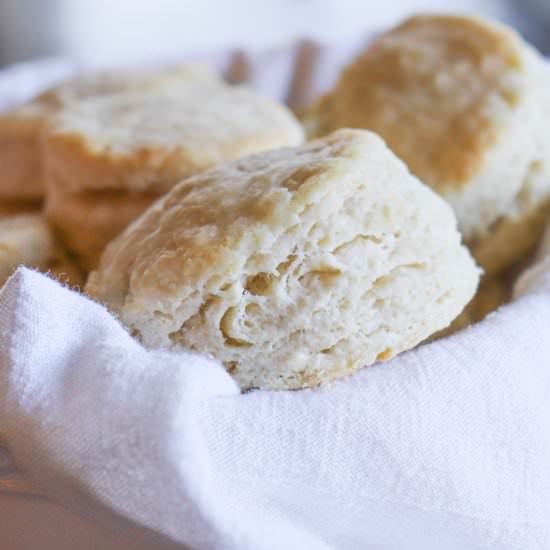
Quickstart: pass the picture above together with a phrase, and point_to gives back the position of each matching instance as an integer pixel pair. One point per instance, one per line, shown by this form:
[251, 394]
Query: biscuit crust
[148, 142]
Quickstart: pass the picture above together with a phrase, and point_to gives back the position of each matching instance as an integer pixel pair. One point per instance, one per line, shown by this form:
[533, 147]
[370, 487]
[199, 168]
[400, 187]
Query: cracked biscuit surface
[292, 267]
[466, 104]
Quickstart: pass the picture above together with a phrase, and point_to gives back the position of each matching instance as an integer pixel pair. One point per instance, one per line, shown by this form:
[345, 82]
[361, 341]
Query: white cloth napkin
[444, 447]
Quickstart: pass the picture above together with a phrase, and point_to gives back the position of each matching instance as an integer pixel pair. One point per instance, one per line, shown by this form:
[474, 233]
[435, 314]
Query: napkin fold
[446, 446]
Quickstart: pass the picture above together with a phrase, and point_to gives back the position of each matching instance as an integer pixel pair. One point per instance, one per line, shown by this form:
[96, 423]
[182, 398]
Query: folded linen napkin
[447, 446]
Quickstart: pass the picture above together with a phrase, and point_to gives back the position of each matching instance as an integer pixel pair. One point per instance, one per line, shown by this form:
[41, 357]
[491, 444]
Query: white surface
[443, 447]
[446, 447]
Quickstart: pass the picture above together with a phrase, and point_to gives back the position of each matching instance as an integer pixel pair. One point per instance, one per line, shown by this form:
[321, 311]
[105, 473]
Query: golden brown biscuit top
[436, 88]
[163, 137]
[197, 118]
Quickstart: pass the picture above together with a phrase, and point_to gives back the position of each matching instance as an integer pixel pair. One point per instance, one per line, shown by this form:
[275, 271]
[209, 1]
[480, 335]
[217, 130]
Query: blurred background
[106, 32]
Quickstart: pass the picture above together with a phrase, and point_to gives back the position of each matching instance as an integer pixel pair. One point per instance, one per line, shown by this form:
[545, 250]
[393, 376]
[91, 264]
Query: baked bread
[20, 157]
[85, 222]
[466, 104]
[293, 266]
[21, 178]
[26, 239]
[132, 147]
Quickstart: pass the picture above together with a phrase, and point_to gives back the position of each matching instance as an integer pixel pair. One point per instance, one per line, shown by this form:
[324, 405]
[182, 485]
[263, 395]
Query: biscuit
[466, 104]
[292, 267]
[140, 145]
[26, 239]
[21, 177]
[85, 222]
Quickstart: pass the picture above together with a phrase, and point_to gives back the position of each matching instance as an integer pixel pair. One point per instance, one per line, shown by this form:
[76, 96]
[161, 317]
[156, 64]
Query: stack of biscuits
[93, 153]
[205, 223]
